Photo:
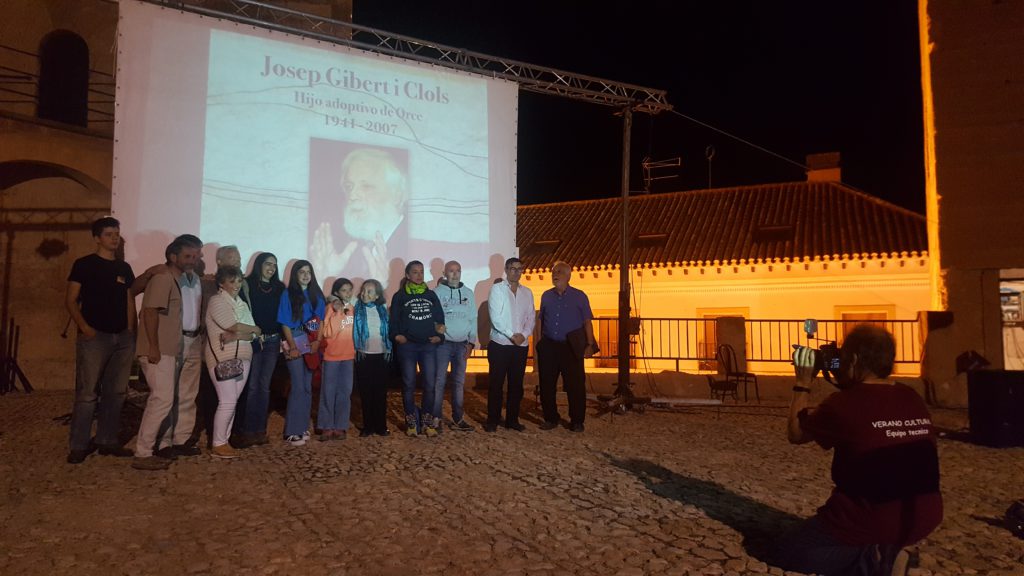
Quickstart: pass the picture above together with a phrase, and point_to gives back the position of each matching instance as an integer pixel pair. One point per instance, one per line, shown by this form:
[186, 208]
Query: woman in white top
[229, 328]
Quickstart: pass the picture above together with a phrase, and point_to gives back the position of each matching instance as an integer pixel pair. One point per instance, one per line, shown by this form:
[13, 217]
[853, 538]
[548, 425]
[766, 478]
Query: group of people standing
[239, 326]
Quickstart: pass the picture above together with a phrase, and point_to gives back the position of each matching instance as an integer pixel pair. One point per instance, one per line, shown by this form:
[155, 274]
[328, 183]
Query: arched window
[63, 78]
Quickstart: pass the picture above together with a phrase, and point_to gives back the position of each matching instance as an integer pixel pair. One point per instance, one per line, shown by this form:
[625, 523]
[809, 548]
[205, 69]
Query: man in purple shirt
[567, 337]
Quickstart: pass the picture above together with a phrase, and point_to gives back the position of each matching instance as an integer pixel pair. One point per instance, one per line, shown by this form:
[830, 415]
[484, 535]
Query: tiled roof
[771, 222]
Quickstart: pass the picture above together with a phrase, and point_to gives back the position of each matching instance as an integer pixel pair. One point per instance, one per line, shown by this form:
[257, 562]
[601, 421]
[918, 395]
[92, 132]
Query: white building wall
[823, 290]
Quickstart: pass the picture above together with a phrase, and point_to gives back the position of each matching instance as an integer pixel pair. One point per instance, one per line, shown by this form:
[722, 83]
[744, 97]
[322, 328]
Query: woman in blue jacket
[300, 312]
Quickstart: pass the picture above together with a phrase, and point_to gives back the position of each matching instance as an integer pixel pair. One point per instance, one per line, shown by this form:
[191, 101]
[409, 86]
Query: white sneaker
[296, 440]
[305, 435]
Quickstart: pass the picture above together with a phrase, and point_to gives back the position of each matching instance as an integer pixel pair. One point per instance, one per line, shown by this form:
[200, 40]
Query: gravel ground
[691, 491]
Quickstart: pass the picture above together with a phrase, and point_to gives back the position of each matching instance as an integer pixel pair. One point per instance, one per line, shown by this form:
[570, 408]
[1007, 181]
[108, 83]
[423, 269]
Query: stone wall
[973, 85]
[37, 281]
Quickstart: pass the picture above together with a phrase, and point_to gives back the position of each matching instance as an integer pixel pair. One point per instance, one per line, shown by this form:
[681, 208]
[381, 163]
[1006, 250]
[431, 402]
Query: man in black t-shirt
[100, 302]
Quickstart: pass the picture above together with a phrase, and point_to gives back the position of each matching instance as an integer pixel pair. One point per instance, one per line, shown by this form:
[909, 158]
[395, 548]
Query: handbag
[231, 369]
[311, 331]
[312, 361]
[301, 342]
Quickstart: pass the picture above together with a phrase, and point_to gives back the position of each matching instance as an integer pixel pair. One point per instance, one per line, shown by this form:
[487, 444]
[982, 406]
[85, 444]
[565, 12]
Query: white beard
[367, 221]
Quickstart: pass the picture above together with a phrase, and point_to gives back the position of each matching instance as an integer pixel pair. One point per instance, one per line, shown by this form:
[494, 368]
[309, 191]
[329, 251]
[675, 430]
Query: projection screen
[276, 143]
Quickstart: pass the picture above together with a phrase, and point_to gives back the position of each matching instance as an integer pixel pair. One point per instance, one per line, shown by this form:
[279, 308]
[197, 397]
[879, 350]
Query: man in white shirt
[512, 318]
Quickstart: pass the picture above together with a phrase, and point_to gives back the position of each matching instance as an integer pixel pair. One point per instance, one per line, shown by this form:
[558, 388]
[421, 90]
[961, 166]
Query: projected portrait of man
[374, 193]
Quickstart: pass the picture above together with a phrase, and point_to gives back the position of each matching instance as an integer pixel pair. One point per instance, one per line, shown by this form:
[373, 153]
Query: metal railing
[696, 339]
[773, 340]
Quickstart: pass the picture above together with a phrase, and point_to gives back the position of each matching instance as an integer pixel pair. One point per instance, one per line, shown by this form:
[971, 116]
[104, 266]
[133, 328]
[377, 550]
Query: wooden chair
[726, 358]
[722, 388]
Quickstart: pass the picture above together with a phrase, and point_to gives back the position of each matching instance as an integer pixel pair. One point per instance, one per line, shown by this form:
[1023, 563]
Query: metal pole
[5, 302]
[622, 389]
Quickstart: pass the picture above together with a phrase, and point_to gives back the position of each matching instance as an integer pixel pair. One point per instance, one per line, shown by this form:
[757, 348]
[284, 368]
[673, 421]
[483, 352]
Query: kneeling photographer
[885, 467]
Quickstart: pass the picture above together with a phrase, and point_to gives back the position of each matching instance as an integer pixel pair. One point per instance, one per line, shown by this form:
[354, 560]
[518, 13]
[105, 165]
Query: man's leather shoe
[114, 450]
[77, 456]
[240, 441]
[185, 450]
[548, 425]
[516, 426]
[576, 427]
[490, 427]
[167, 453]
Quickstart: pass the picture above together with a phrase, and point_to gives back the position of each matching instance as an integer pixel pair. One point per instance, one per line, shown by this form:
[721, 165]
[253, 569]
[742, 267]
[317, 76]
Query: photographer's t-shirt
[885, 467]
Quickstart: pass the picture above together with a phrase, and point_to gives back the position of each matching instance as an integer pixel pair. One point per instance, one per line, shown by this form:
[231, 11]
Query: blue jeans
[102, 367]
[257, 389]
[300, 398]
[454, 353]
[335, 395]
[409, 355]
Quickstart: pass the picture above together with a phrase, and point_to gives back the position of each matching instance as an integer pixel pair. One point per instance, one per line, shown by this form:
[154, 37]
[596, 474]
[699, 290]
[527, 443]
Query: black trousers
[556, 359]
[206, 408]
[372, 373]
[505, 363]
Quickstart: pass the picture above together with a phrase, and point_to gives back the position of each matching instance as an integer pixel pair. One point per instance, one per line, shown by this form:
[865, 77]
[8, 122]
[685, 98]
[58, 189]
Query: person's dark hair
[254, 277]
[511, 261]
[875, 349]
[377, 286]
[227, 273]
[175, 248]
[106, 222]
[408, 267]
[295, 296]
[338, 284]
[190, 240]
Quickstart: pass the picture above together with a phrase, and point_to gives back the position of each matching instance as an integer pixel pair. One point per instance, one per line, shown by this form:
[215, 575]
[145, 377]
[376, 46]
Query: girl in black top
[265, 288]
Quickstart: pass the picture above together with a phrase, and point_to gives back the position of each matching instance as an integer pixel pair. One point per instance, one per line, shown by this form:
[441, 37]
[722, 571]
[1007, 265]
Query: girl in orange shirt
[339, 360]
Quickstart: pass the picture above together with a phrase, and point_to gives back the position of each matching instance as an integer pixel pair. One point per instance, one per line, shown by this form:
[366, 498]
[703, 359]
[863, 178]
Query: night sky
[794, 77]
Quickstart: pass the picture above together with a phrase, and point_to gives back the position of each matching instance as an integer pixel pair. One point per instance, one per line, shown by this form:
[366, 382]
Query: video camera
[826, 356]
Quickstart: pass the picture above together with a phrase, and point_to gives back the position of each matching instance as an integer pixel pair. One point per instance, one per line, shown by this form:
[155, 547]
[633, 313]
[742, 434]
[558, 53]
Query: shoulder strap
[210, 344]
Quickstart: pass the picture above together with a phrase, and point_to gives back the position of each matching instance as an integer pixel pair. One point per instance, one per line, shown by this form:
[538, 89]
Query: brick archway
[31, 220]
[14, 172]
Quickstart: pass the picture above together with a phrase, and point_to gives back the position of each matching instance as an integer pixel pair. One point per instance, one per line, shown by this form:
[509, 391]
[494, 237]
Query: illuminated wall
[896, 286]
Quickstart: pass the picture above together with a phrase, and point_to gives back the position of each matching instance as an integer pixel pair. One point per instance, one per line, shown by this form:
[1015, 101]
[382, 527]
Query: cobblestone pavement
[697, 491]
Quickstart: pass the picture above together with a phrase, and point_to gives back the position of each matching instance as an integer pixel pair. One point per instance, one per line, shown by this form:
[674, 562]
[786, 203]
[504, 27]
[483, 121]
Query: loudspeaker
[995, 407]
